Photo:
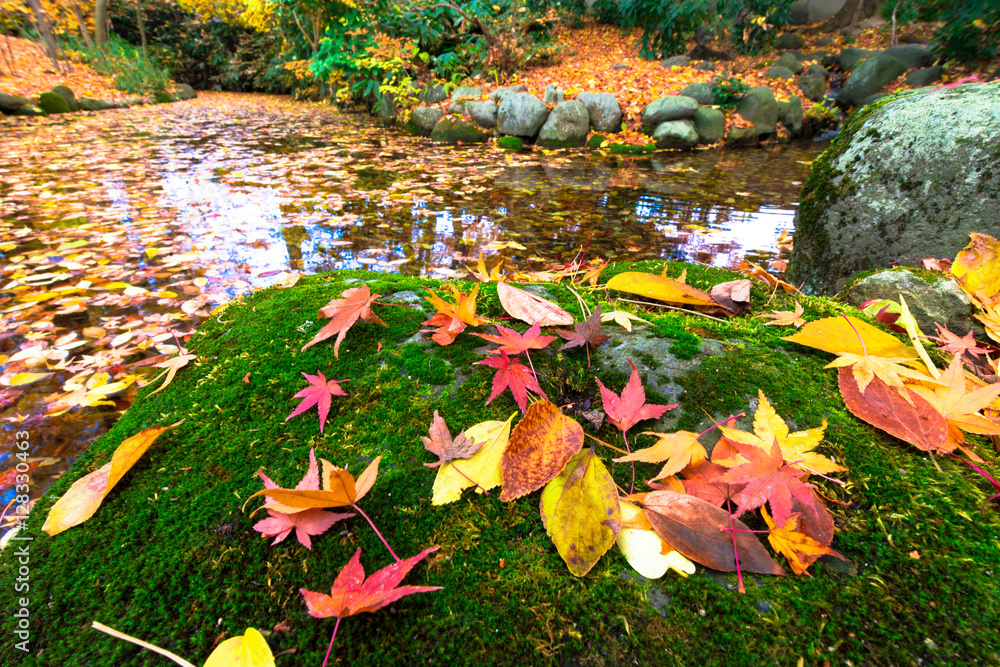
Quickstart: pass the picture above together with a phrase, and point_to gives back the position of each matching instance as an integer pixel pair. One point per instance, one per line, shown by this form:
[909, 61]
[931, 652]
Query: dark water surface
[120, 228]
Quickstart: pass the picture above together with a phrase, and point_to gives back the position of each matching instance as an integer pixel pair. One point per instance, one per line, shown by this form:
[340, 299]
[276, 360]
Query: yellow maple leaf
[785, 318]
[464, 307]
[866, 367]
[959, 405]
[794, 545]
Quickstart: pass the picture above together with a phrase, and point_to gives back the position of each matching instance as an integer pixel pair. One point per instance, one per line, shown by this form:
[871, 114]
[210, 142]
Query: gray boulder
[483, 113]
[760, 108]
[908, 177]
[676, 134]
[181, 91]
[931, 297]
[605, 112]
[500, 94]
[423, 120]
[568, 125]
[868, 78]
[706, 66]
[851, 56]
[433, 94]
[789, 40]
[671, 107]
[819, 70]
[466, 93]
[923, 77]
[824, 41]
[742, 137]
[911, 55]
[387, 108]
[791, 115]
[91, 104]
[710, 124]
[813, 87]
[11, 103]
[460, 107]
[521, 115]
[799, 56]
[455, 129]
[676, 61]
[553, 94]
[702, 92]
[872, 99]
[779, 72]
[67, 94]
[788, 60]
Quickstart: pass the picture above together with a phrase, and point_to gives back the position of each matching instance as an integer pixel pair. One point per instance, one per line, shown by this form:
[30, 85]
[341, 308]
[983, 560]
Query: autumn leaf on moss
[785, 318]
[484, 275]
[660, 287]
[514, 343]
[800, 549]
[452, 318]
[839, 335]
[586, 334]
[339, 489]
[955, 345]
[645, 550]
[538, 449]
[678, 449]
[626, 410]
[353, 304]
[247, 650]
[441, 444]
[531, 309]
[580, 512]
[514, 375]
[83, 498]
[957, 404]
[483, 467]
[767, 479]
[319, 393]
[977, 265]
[171, 367]
[622, 318]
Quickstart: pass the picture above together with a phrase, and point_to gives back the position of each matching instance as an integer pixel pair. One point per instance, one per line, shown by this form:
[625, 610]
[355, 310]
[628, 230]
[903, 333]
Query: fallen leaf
[585, 334]
[83, 498]
[354, 303]
[339, 490]
[645, 550]
[531, 309]
[171, 365]
[622, 319]
[705, 533]
[835, 335]
[319, 393]
[464, 307]
[513, 343]
[515, 375]
[351, 594]
[541, 444]
[785, 318]
[483, 467]
[977, 265]
[441, 444]
[631, 407]
[679, 450]
[958, 405]
[580, 512]
[955, 345]
[660, 287]
[734, 295]
[800, 549]
[247, 650]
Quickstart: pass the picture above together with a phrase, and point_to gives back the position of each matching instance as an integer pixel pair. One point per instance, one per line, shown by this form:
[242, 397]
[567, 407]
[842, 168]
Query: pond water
[122, 229]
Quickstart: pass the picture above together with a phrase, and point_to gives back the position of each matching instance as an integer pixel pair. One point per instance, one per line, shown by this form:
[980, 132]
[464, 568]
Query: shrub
[753, 24]
[132, 71]
[971, 30]
[666, 25]
[728, 89]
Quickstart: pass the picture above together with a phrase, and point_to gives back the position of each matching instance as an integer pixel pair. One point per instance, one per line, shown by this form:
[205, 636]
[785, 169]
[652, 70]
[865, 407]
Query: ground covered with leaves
[28, 72]
[170, 557]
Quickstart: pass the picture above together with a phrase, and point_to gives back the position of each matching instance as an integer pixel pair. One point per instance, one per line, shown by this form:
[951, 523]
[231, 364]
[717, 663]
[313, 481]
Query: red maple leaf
[512, 342]
[512, 373]
[631, 407]
[354, 303]
[767, 479]
[448, 328]
[585, 334]
[351, 594]
[319, 393]
[954, 345]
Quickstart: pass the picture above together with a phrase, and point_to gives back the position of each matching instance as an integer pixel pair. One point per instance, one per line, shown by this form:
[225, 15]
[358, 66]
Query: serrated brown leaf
[441, 444]
[538, 449]
[585, 334]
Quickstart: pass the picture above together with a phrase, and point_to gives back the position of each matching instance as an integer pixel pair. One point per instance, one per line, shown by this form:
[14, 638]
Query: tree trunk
[852, 12]
[83, 26]
[44, 29]
[142, 27]
[101, 22]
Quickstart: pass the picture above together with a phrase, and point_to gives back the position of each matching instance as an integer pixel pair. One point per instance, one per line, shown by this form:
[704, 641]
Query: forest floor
[25, 70]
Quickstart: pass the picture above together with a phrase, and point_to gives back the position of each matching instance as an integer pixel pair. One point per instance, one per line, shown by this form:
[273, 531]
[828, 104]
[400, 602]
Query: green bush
[666, 25]
[971, 30]
[753, 24]
[728, 89]
[132, 72]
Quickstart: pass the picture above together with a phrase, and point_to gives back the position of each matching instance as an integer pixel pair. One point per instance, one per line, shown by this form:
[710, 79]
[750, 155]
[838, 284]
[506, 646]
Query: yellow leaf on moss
[483, 467]
[247, 650]
[835, 335]
[581, 513]
[645, 550]
[977, 265]
[660, 287]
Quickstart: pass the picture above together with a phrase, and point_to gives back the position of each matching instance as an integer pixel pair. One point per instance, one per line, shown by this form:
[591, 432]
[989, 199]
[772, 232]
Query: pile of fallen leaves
[34, 74]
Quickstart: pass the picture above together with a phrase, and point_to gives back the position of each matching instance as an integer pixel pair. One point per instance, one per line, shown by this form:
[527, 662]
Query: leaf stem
[736, 553]
[631, 488]
[469, 479]
[146, 645]
[372, 524]
[857, 333]
[335, 626]
[397, 305]
[598, 440]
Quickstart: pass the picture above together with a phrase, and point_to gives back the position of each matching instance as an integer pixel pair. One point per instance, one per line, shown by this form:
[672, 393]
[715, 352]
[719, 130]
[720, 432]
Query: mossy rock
[161, 97]
[596, 141]
[169, 557]
[618, 148]
[511, 143]
[53, 103]
[67, 94]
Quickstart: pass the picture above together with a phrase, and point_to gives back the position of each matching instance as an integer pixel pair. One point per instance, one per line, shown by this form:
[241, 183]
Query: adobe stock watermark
[19, 547]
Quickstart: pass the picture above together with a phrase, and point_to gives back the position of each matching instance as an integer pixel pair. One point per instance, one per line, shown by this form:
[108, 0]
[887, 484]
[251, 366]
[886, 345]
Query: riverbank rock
[868, 78]
[710, 124]
[923, 77]
[433, 94]
[91, 104]
[702, 92]
[760, 108]
[909, 176]
[183, 91]
[30, 110]
[423, 120]
[932, 297]
[848, 58]
[813, 87]
[671, 107]
[789, 61]
[553, 94]
[455, 129]
[483, 112]
[779, 72]
[500, 94]
[676, 61]
[466, 93]
[53, 103]
[604, 110]
[11, 103]
[791, 114]
[911, 55]
[789, 40]
[567, 125]
[521, 115]
[706, 66]
[67, 94]
[676, 134]
[171, 537]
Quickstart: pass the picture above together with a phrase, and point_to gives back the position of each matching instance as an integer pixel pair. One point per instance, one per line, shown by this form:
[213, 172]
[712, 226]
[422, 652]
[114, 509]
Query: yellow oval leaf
[483, 467]
[22, 379]
[661, 288]
[837, 336]
[247, 650]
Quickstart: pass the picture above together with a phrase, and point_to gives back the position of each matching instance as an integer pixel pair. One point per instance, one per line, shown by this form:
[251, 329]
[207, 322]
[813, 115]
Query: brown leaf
[538, 449]
[700, 531]
[734, 295]
[529, 308]
[441, 445]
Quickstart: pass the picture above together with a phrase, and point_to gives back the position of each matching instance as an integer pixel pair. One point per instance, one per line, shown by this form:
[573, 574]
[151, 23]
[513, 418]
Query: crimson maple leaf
[586, 334]
[512, 373]
[310, 522]
[448, 328]
[631, 407]
[320, 394]
[767, 479]
[351, 594]
[354, 303]
[512, 342]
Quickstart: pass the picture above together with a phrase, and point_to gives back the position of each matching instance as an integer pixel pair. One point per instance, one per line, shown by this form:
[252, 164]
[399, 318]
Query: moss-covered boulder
[868, 78]
[454, 129]
[11, 103]
[53, 103]
[30, 110]
[161, 97]
[423, 119]
[91, 104]
[760, 107]
[567, 125]
[67, 94]
[909, 176]
[170, 557]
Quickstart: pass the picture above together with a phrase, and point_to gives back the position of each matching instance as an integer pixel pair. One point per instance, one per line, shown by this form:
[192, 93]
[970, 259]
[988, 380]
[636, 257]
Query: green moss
[513, 143]
[595, 141]
[169, 553]
[618, 148]
[53, 103]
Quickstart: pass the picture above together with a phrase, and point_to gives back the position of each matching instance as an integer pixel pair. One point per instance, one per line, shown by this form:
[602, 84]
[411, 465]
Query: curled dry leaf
[733, 295]
[531, 309]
